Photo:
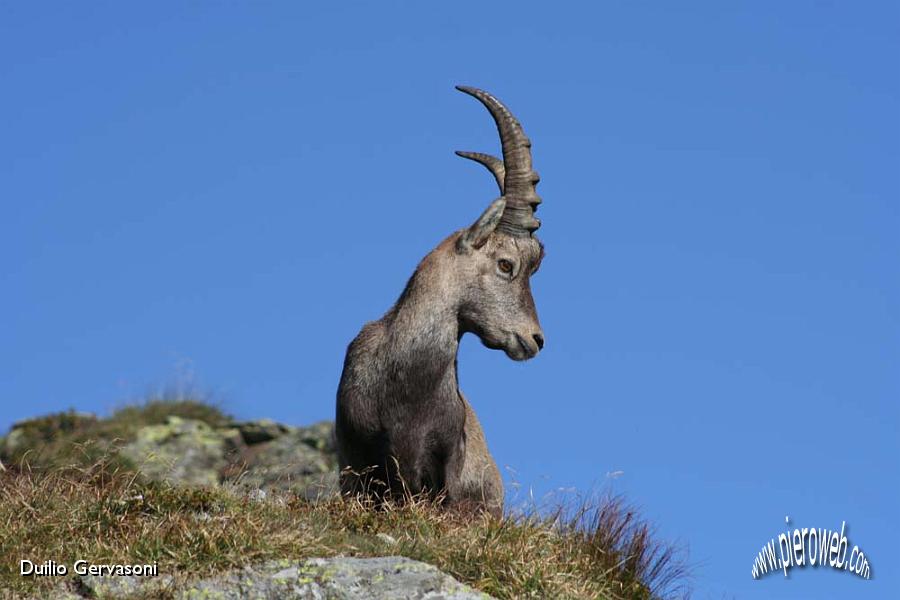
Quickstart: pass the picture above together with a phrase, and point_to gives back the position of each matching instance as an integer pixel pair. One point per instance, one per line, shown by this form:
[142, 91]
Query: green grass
[73, 508]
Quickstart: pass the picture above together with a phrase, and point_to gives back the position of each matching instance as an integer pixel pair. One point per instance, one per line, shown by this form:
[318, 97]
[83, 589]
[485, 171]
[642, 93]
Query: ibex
[402, 423]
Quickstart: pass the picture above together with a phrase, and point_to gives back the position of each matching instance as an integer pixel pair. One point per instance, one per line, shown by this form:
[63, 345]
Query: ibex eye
[505, 266]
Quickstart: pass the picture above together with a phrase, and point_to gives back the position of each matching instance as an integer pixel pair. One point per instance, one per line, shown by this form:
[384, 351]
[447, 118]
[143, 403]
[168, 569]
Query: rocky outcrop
[31, 434]
[181, 451]
[383, 578]
[254, 455]
[299, 459]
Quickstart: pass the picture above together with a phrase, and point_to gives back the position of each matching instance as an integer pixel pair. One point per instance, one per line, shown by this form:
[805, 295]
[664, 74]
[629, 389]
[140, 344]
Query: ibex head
[498, 254]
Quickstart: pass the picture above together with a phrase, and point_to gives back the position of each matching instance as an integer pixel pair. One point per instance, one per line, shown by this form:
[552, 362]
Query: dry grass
[108, 515]
[103, 511]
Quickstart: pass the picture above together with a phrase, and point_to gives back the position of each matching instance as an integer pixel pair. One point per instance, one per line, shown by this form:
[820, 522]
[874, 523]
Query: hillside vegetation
[69, 491]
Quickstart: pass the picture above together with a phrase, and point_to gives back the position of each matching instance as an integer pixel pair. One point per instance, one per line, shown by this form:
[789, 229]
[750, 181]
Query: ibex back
[402, 424]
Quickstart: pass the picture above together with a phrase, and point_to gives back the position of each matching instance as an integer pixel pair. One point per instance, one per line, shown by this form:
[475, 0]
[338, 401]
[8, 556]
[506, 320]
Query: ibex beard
[402, 425]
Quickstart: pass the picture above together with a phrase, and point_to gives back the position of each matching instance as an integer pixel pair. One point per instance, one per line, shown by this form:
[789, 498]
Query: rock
[35, 433]
[180, 451]
[262, 430]
[301, 460]
[259, 455]
[319, 436]
[13, 442]
[120, 586]
[384, 578]
[112, 587]
[388, 578]
[256, 455]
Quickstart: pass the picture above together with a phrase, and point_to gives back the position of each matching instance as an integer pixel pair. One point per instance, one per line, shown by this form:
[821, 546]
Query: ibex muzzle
[402, 423]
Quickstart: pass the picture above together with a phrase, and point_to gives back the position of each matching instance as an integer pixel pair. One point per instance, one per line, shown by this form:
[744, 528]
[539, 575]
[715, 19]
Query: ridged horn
[491, 163]
[519, 179]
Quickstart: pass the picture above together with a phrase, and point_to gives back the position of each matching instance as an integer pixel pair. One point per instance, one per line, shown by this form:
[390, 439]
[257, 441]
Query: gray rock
[384, 578]
[319, 436]
[123, 586]
[13, 442]
[301, 460]
[261, 430]
[180, 451]
[254, 455]
[388, 578]
[258, 455]
[109, 587]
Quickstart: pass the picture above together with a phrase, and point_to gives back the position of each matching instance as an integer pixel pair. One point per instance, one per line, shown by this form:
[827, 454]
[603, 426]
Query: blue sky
[226, 193]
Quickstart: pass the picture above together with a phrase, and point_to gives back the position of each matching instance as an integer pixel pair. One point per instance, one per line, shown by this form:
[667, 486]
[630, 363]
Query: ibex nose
[539, 340]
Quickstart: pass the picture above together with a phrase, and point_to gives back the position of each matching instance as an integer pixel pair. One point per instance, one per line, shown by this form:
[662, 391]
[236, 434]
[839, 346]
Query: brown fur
[402, 424]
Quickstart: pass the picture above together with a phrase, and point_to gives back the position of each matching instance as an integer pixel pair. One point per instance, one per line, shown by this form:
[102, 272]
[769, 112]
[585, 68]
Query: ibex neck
[423, 332]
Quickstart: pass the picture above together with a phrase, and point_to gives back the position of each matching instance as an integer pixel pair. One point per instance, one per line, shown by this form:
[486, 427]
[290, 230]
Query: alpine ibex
[402, 424]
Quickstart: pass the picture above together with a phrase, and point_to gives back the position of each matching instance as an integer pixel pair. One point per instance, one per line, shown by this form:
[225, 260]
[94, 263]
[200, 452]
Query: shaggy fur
[402, 423]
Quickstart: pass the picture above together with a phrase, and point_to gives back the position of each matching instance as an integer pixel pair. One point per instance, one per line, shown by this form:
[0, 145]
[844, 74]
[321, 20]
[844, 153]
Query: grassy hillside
[67, 494]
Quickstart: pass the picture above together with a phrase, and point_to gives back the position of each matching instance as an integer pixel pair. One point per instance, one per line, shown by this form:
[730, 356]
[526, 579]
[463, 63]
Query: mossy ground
[77, 505]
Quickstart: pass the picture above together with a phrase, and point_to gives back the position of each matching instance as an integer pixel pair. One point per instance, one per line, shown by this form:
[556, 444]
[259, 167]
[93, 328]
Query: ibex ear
[477, 233]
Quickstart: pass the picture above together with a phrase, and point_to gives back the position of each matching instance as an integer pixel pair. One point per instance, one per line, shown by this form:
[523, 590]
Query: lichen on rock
[382, 578]
[301, 460]
[184, 451]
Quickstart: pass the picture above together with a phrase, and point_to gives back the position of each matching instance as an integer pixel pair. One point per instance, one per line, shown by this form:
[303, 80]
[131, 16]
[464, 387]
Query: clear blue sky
[232, 190]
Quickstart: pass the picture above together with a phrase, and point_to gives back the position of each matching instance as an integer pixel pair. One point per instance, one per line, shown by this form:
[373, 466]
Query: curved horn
[519, 179]
[491, 163]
